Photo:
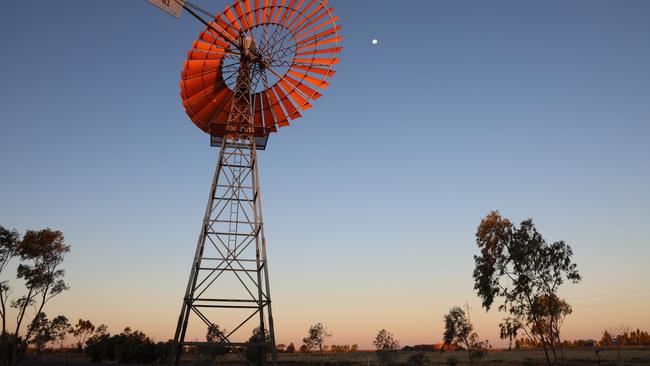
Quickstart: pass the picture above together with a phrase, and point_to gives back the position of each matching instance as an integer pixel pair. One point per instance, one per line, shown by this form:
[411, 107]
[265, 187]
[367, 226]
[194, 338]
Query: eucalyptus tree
[9, 240]
[459, 330]
[519, 267]
[60, 328]
[42, 333]
[316, 336]
[40, 254]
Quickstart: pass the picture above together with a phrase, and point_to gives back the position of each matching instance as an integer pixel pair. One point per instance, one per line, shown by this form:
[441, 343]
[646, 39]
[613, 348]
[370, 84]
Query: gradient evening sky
[535, 108]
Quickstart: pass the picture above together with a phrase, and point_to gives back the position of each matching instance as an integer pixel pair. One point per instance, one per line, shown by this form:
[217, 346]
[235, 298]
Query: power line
[610, 293]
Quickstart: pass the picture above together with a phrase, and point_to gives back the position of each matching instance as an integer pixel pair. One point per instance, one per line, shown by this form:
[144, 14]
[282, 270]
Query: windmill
[255, 67]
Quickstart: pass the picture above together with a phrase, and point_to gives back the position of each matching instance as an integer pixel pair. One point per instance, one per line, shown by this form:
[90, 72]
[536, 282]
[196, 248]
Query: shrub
[417, 359]
[126, 347]
[387, 347]
[291, 348]
[255, 353]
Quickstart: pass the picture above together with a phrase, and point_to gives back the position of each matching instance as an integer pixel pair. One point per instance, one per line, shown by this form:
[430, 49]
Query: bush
[452, 361]
[417, 359]
[387, 347]
[126, 347]
[478, 350]
[291, 348]
[8, 344]
[255, 351]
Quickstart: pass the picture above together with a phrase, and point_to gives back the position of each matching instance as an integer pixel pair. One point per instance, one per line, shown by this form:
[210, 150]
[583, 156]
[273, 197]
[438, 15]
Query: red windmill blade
[292, 48]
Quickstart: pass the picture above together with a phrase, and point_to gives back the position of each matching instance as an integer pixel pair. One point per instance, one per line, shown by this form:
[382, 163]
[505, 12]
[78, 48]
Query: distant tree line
[635, 338]
[625, 338]
[344, 348]
[283, 348]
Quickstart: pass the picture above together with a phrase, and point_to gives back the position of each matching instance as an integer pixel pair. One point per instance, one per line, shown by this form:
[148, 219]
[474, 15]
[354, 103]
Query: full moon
[374, 41]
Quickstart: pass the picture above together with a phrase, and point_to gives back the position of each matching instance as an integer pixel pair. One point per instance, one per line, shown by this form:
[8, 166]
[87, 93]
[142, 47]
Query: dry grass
[500, 358]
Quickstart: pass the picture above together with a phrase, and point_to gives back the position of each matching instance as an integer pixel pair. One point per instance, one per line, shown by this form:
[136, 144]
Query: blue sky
[371, 200]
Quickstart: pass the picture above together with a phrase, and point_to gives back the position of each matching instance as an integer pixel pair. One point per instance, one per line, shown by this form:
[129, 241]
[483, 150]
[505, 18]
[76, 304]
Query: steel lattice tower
[232, 240]
[256, 66]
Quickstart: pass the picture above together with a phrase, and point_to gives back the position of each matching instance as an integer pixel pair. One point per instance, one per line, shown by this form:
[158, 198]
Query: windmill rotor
[289, 49]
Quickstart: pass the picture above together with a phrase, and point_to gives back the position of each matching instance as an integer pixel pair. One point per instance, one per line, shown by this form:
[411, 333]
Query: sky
[372, 199]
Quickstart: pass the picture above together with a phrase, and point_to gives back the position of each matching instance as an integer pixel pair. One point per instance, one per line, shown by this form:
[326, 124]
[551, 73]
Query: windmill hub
[248, 48]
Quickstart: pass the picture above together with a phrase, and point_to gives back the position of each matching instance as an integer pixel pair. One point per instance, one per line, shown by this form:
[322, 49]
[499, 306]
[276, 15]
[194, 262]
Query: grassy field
[501, 358]
[574, 357]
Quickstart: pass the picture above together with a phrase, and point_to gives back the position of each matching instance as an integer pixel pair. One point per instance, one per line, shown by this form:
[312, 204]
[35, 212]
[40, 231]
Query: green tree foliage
[527, 343]
[41, 332]
[291, 348]
[45, 331]
[60, 327]
[127, 347]
[40, 255]
[387, 347]
[316, 337]
[340, 348]
[625, 337]
[517, 265]
[82, 330]
[459, 330]
[639, 338]
[257, 346]
[9, 243]
[552, 311]
[134, 347]
[606, 340]
[508, 329]
[97, 345]
[216, 336]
